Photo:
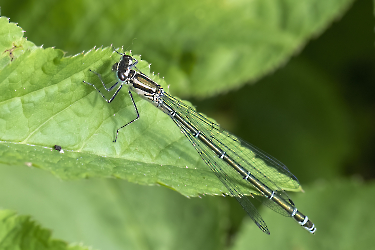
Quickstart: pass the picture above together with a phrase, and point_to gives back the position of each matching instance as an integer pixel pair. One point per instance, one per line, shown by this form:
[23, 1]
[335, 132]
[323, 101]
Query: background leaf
[113, 214]
[225, 43]
[20, 232]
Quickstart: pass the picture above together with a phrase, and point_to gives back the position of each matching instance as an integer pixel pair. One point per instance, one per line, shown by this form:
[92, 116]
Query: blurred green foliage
[315, 114]
[20, 232]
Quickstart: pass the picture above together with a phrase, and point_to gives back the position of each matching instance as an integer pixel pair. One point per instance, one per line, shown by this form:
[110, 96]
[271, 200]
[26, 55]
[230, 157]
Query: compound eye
[121, 76]
[127, 58]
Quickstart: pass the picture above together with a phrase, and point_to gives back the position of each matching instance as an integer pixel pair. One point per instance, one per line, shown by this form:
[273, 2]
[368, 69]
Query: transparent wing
[271, 172]
[220, 168]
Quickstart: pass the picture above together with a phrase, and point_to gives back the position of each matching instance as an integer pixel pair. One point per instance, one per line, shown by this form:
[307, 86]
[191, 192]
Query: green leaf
[20, 232]
[342, 211]
[12, 42]
[113, 214]
[202, 47]
[45, 103]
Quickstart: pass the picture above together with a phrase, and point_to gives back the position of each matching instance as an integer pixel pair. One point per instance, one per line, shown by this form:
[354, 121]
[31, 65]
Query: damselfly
[221, 151]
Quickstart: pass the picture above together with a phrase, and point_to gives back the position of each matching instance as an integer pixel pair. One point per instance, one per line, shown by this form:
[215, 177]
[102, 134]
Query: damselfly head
[125, 62]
